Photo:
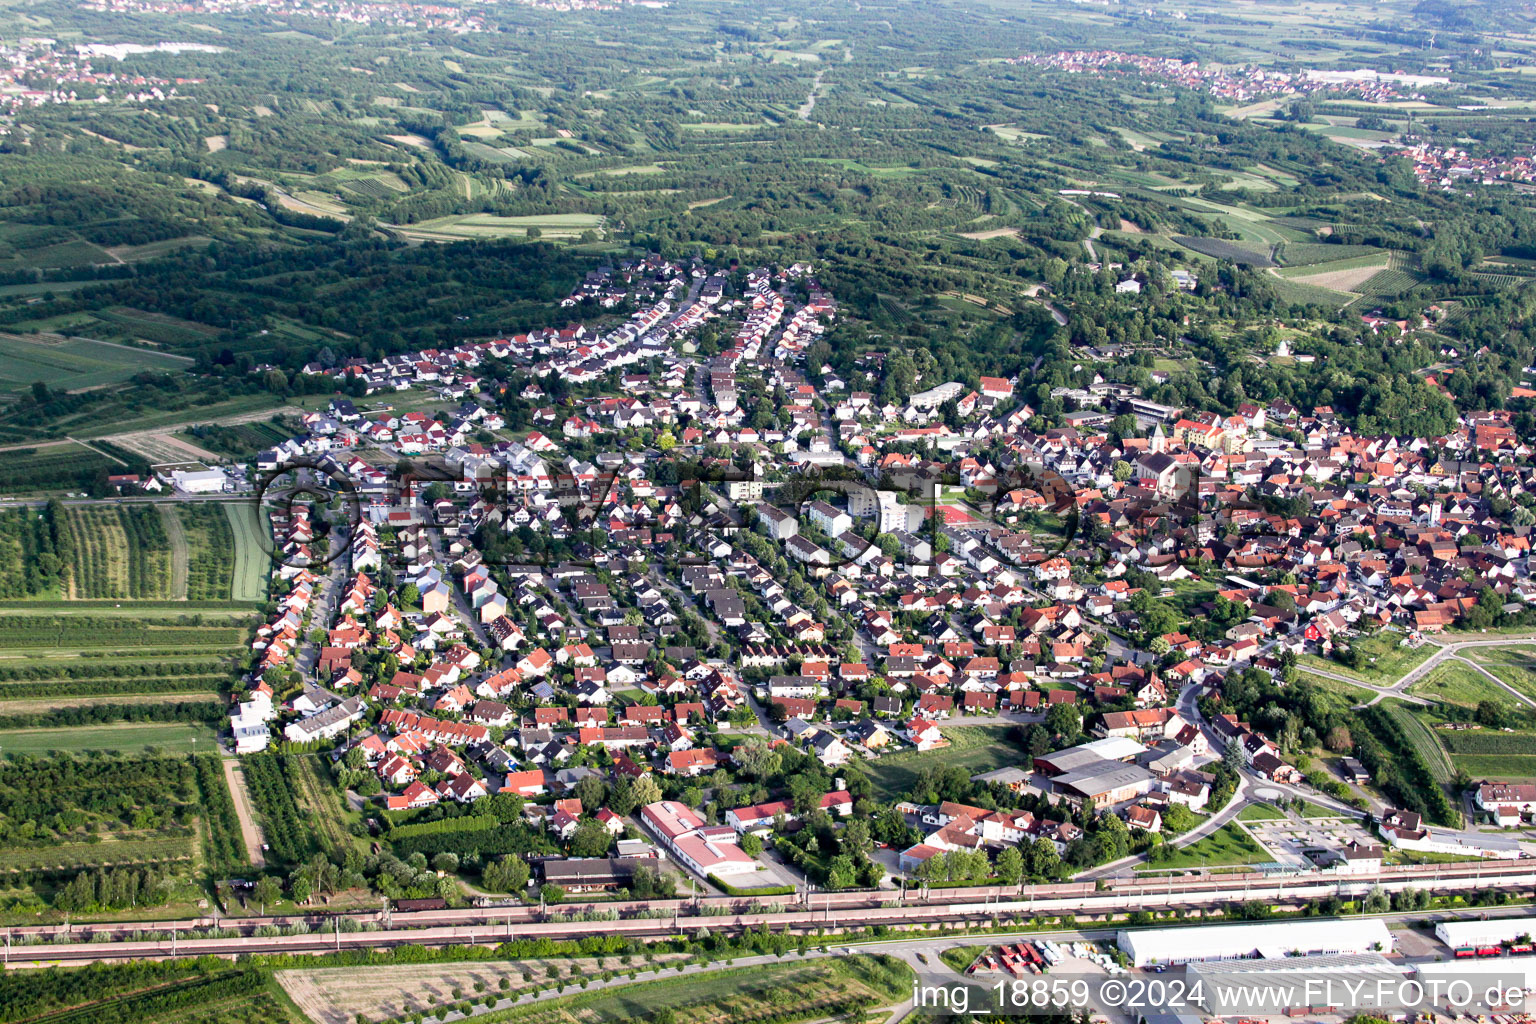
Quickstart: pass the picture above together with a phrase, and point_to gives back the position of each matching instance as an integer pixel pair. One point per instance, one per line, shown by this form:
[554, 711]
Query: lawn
[1261, 812]
[1384, 660]
[1457, 683]
[120, 737]
[976, 748]
[1311, 810]
[1228, 845]
[1516, 666]
[1347, 691]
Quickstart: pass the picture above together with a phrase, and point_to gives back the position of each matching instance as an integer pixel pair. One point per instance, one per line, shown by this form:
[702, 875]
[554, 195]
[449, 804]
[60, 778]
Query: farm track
[249, 830]
[179, 556]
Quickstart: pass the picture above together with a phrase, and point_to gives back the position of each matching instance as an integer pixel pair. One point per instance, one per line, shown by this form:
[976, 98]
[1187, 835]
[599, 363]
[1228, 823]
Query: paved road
[1447, 652]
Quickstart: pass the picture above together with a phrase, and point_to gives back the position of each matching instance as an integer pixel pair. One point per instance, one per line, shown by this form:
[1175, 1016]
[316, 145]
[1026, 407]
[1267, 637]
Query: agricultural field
[173, 993]
[1498, 768]
[1345, 275]
[252, 542]
[70, 363]
[823, 988]
[484, 225]
[1492, 754]
[67, 466]
[25, 536]
[1425, 740]
[241, 440]
[337, 995]
[975, 748]
[121, 552]
[275, 783]
[210, 553]
[1238, 252]
[81, 680]
[106, 833]
[1308, 254]
[118, 738]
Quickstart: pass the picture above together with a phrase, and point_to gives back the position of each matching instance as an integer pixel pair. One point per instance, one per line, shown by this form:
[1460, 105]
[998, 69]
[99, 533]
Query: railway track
[828, 912]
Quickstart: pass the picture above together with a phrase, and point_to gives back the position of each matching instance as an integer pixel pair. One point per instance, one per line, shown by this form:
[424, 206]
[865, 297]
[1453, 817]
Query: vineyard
[1491, 742]
[121, 552]
[239, 996]
[1245, 254]
[1425, 742]
[1302, 254]
[210, 551]
[1399, 766]
[319, 800]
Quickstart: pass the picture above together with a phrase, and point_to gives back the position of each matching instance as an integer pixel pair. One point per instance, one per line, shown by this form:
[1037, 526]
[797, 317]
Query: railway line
[822, 912]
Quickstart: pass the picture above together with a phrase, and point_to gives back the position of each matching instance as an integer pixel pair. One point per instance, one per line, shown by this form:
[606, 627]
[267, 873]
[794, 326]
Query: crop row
[92, 668]
[1483, 742]
[81, 632]
[114, 686]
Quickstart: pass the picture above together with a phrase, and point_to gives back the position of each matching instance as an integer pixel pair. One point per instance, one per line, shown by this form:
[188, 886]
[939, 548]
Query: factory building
[1251, 941]
[1460, 934]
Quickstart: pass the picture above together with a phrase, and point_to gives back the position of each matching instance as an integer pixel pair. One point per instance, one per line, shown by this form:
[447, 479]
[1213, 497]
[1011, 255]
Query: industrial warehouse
[1475, 935]
[1254, 941]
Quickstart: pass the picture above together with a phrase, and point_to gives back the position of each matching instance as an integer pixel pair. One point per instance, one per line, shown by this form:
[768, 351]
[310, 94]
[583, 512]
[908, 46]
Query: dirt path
[178, 538]
[249, 832]
[804, 113]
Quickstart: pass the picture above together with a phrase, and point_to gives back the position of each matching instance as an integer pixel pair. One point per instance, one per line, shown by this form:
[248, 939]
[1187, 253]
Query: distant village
[1238, 83]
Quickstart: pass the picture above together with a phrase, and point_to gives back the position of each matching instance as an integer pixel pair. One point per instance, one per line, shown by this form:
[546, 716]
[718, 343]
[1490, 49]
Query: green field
[976, 748]
[1461, 684]
[1383, 659]
[52, 468]
[252, 564]
[1425, 740]
[1515, 666]
[1226, 846]
[1261, 812]
[486, 225]
[1501, 767]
